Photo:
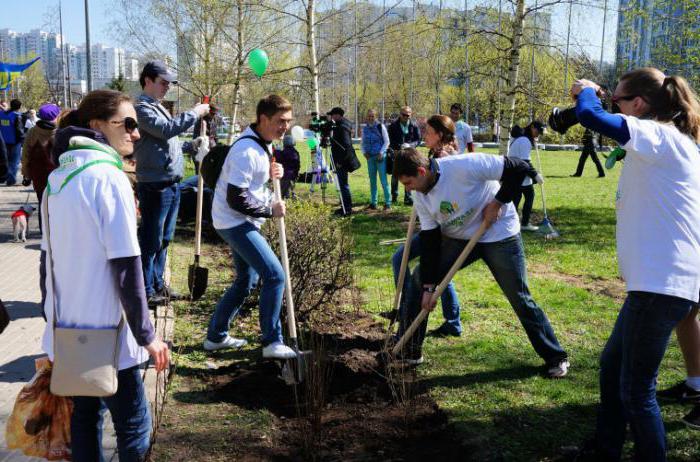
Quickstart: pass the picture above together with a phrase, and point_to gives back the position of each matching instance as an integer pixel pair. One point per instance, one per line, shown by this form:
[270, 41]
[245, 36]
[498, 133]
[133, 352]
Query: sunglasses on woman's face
[129, 123]
[615, 99]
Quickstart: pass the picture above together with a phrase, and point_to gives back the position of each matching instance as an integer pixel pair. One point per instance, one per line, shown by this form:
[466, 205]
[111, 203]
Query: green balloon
[258, 61]
[312, 143]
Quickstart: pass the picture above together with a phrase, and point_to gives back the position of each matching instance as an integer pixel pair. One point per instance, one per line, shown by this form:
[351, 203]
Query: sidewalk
[20, 344]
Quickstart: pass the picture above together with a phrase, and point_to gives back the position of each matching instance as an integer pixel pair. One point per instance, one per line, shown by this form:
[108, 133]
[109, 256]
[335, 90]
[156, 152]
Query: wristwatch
[430, 290]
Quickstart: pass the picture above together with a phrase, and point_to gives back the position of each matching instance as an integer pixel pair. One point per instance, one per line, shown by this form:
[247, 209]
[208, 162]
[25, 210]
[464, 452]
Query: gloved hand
[26, 181]
[202, 145]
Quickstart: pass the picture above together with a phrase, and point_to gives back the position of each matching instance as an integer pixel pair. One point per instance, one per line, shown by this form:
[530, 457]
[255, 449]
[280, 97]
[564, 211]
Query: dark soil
[346, 409]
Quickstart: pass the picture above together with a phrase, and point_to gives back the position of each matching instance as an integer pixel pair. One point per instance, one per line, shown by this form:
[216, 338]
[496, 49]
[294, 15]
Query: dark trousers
[395, 192]
[345, 194]
[506, 260]
[589, 151]
[159, 203]
[529, 193]
[628, 369]
[131, 416]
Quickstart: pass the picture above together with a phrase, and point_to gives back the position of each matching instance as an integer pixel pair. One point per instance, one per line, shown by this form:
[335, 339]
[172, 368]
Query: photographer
[658, 247]
[403, 131]
[343, 156]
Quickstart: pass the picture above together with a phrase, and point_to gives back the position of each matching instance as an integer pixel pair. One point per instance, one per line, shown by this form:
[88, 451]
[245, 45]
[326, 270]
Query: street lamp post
[87, 47]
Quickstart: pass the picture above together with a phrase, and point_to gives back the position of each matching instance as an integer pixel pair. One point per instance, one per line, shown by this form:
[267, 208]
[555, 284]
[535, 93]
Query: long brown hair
[97, 105]
[670, 99]
[444, 126]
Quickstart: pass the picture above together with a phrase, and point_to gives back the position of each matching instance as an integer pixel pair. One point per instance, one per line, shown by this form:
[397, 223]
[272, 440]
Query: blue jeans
[628, 368]
[375, 167]
[345, 196]
[159, 203]
[14, 156]
[253, 259]
[506, 260]
[131, 416]
[449, 298]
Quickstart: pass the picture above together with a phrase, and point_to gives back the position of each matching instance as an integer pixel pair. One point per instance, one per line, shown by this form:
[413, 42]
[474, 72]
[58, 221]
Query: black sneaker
[156, 300]
[692, 419]
[586, 452]
[680, 393]
[372, 207]
[391, 315]
[339, 212]
[445, 330]
[171, 294]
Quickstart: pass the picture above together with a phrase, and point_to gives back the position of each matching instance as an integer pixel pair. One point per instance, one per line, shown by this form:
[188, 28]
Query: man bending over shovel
[452, 196]
[241, 204]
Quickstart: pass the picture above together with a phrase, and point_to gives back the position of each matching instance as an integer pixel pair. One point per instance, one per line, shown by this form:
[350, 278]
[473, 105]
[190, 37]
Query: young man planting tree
[452, 196]
[241, 204]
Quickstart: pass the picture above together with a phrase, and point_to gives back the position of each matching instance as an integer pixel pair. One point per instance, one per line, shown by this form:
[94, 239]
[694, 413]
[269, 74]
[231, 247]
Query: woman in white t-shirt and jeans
[658, 247]
[97, 266]
[523, 142]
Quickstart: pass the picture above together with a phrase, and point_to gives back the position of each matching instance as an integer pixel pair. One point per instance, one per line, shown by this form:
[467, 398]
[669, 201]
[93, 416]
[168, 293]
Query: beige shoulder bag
[84, 360]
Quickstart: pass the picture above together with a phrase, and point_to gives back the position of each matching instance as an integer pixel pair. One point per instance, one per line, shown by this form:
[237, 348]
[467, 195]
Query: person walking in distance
[403, 133]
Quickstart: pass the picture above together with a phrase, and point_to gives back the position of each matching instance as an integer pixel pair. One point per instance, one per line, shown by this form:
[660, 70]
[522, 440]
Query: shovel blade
[197, 279]
[294, 370]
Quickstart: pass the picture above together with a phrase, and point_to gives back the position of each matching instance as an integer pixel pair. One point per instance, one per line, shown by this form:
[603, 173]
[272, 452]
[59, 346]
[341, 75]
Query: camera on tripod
[324, 127]
[561, 120]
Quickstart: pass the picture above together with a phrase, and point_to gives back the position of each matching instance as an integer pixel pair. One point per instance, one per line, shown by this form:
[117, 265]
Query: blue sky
[24, 15]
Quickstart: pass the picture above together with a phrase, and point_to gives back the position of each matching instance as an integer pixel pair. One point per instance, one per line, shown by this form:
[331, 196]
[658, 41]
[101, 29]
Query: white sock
[693, 382]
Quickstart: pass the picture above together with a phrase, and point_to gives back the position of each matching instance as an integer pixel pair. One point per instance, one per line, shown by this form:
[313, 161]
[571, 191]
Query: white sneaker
[529, 227]
[558, 370]
[228, 342]
[278, 350]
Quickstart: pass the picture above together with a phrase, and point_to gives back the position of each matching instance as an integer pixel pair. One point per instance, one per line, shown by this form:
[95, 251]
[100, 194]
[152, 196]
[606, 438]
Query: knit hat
[49, 112]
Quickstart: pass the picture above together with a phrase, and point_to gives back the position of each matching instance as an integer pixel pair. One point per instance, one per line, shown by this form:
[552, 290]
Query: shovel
[198, 276]
[440, 289]
[293, 370]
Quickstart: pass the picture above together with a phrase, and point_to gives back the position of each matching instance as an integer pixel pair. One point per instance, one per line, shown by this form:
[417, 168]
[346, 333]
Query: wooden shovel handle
[404, 258]
[200, 203]
[291, 320]
[441, 287]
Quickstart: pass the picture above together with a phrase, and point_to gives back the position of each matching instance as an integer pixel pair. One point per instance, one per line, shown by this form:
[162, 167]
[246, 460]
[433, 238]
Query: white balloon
[298, 133]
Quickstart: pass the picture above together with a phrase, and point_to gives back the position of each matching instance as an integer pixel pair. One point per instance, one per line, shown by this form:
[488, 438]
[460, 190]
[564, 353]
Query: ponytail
[70, 118]
[678, 102]
[670, 99]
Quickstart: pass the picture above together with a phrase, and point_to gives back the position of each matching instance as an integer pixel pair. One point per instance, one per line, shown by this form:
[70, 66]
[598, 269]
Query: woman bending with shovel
[452, 197]
[241, 204]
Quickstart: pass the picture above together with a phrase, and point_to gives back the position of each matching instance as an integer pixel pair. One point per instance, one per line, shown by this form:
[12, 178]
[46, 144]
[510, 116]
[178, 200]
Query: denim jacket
[158, 153]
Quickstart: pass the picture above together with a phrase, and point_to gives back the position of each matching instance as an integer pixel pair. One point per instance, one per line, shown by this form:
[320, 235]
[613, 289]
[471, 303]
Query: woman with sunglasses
[96, 267]
[658, 248]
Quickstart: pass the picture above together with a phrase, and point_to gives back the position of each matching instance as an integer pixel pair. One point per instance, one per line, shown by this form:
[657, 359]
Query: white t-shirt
[520, 149]
[93, 220]
[467, 183]
[658, 211]
[463, 134]
[247, 165]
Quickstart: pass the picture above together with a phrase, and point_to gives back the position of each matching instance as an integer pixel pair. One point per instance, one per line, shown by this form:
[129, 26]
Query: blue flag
[9, 71]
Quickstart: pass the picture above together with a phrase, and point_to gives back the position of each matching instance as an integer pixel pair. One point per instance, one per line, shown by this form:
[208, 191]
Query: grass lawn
[488, 381]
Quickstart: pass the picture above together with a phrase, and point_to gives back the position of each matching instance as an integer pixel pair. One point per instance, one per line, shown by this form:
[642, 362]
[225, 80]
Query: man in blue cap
[159, 169]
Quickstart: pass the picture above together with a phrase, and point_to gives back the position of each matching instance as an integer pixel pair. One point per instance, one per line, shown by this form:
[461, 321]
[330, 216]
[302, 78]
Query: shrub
[319, 248]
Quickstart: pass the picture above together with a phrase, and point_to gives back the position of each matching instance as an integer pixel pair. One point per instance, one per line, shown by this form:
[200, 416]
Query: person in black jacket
[343, 156]
[402, 131]
[588, 150]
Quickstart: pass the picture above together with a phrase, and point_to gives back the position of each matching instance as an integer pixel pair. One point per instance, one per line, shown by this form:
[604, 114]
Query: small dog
[20, 221]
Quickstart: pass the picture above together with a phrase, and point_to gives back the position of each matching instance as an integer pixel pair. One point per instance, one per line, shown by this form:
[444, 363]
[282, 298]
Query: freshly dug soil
[346, 409]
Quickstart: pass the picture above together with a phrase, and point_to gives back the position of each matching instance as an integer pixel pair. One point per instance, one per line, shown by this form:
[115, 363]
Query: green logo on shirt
[448, 208]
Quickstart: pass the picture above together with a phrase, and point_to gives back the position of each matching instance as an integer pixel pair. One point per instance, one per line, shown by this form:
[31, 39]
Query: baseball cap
[336, 110]
[48, 112]
[154, 69]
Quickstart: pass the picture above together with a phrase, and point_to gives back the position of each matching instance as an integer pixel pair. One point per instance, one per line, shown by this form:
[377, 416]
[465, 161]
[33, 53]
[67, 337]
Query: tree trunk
[508, 114]
[311, 47]
[239, 71]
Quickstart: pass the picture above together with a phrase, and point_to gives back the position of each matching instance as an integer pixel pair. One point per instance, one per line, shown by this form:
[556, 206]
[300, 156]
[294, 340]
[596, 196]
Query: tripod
[323, 166]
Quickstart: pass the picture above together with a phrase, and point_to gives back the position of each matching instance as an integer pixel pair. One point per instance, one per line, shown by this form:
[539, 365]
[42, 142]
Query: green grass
[489, 381]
